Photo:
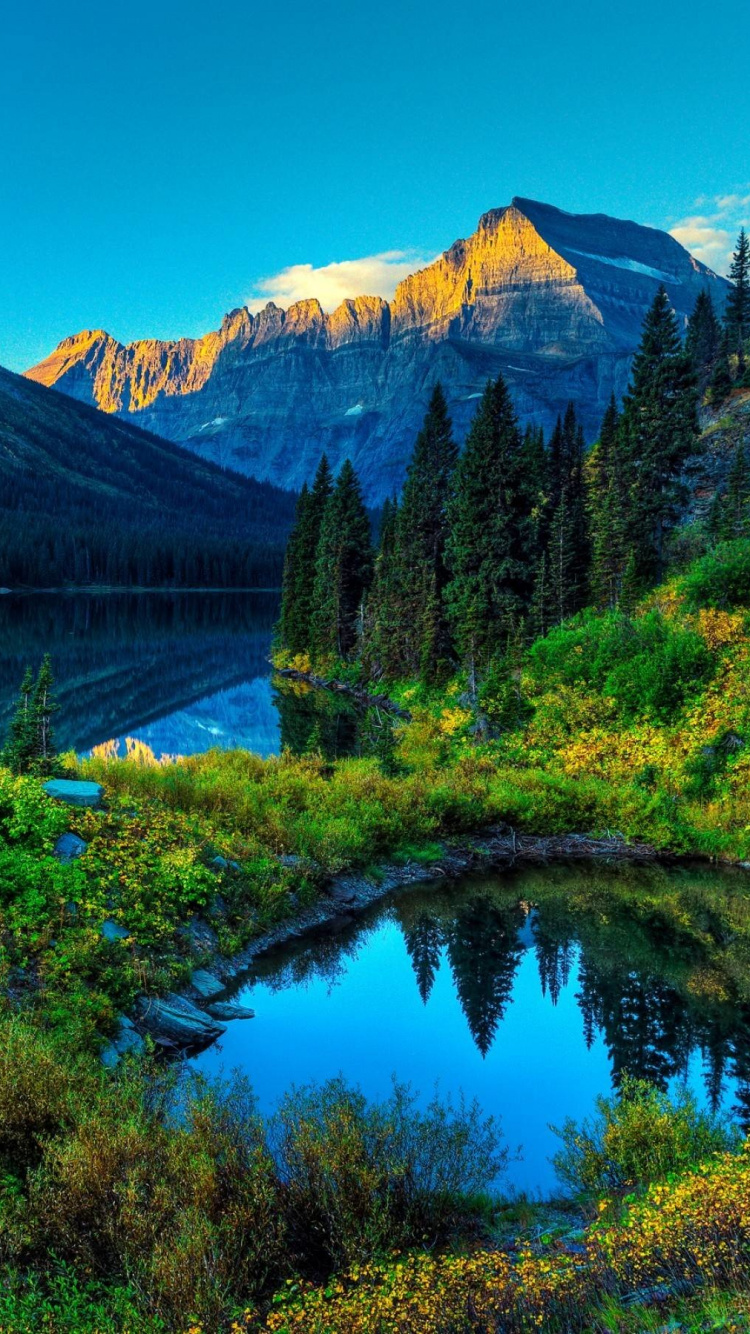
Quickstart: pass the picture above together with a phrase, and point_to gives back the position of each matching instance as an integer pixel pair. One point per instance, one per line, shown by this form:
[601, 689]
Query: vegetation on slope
[89, 499]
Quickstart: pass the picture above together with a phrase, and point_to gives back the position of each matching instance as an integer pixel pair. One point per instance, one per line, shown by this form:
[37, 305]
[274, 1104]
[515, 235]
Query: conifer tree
[735, 516]
[294, 631]
[489, 547]
[421, 538]
[720, 385]
[608, 508]
[290, 632]
[704, 339]
[384, 629]
[568, 546]
[659, 430]
[343, 568]
[737, 311]
[20, 747]
[43, 708]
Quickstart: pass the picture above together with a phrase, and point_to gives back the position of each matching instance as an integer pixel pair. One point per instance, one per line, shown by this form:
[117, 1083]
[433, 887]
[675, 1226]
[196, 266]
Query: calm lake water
[530, 991]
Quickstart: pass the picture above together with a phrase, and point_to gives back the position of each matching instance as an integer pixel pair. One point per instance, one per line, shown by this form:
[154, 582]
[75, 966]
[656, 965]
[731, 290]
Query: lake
[182, 672]
[531, 991]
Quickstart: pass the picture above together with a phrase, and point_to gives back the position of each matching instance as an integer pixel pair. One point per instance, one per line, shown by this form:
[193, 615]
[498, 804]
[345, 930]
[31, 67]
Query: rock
[177, 1022]
[126, 1039]
[206, 984]
[68, 847]
[342, 893]
[109, 1056]
[74, 792]
[222, 864]
[228, 1010]
[534, 290]
[112, 930]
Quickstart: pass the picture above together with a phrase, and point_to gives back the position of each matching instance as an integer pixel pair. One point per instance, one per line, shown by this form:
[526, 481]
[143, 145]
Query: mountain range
[553, 300]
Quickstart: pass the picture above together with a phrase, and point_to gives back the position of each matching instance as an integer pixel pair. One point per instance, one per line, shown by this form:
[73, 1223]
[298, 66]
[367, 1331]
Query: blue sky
[161, 163]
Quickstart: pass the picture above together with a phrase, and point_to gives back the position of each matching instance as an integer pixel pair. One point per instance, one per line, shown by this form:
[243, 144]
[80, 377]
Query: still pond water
[531, 991]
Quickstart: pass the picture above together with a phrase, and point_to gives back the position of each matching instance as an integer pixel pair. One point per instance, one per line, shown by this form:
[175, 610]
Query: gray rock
[127, 1038]
[342, 893]
[74, 792]
[228, 1010]
[112, 930]
[177, 1022]
[222, 864]
[68, 847]
[110, 1056]
[206, 984]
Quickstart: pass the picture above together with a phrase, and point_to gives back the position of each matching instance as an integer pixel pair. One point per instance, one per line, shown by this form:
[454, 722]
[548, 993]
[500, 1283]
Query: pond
[532, 991]
[182, 672]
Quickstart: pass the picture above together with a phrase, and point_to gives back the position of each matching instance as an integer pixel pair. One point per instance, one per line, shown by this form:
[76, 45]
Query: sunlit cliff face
[553, 300]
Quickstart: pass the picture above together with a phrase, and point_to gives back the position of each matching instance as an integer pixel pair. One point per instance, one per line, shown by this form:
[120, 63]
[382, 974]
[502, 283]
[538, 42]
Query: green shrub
[639, 1136]
[721, 578]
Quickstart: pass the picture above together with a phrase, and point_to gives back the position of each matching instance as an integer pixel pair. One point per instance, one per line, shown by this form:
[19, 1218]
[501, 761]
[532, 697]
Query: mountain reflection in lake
[532, 991]
[182, 672]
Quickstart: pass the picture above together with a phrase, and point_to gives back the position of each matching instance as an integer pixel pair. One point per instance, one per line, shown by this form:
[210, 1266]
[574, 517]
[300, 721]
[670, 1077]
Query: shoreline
[334, 687]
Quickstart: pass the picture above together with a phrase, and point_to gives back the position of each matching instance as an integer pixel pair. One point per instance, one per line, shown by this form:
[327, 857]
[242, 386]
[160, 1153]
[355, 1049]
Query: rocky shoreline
[193, 1019]
[359, 695]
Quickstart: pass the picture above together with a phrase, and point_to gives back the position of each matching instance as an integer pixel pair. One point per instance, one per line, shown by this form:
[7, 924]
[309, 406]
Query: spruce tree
[489, 550]
[704, 339]
[737, 310]
[568, 546]
[20, 747]
[43, 708]
[343, 569]
[608, 510]
[421, 538]
[295, 628]
[735, 517]
[659, 432]
[290, 631]
[384, 628]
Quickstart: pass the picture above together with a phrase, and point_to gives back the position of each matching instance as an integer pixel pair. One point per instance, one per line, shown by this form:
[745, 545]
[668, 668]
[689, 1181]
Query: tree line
[498, 543]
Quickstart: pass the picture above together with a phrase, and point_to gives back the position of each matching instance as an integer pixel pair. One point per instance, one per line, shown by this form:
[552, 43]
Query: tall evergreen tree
[735, 511]
[384, 628]
[568, 548]
[659, 429]
[294, 630]
[737, 310]
[343, 568]
[422, 535]
[489, 550]
[20, 747]
[704, 338]
[608, 506]
[43, 708]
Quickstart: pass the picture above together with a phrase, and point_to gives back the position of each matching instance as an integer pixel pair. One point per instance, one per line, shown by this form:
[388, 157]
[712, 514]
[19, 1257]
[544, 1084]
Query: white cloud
[711, 235]
[373, 275]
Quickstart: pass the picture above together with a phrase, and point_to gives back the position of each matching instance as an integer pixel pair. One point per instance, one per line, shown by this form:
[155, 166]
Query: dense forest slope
[87, 498]
[552, 300]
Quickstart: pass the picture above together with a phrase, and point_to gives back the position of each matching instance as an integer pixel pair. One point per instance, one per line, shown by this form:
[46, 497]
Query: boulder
[228, 1010]
[112, 930]
[74, 792]
[68, 847]
[175, 1021]
[208, 985]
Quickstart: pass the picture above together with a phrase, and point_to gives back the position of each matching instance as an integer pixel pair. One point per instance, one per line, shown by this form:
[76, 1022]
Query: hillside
[553, 300]
[103, 501]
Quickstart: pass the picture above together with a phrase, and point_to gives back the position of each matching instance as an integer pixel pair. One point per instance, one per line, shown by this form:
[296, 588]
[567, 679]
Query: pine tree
[294, 629]
[735, 516]
[20, 747]
[720, 386]
[659, 431]
[422, 534]
[704, 339]
[489, 550]
[290, 633]
[608, 507]
[384, 629]
[43, 708]
[343, 569]
[568, 546]
[737, 311]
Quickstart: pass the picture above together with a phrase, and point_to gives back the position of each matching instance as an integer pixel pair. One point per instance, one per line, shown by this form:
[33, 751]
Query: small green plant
[639, 1136]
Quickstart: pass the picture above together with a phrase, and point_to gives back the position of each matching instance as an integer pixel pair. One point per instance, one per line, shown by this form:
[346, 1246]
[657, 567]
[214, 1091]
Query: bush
[648, 666]
[358, 1178]
[640, 1136]
[721, 578]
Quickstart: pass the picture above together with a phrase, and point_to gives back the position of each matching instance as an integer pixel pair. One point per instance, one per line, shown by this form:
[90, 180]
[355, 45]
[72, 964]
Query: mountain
[87, 497]
[553, 300]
